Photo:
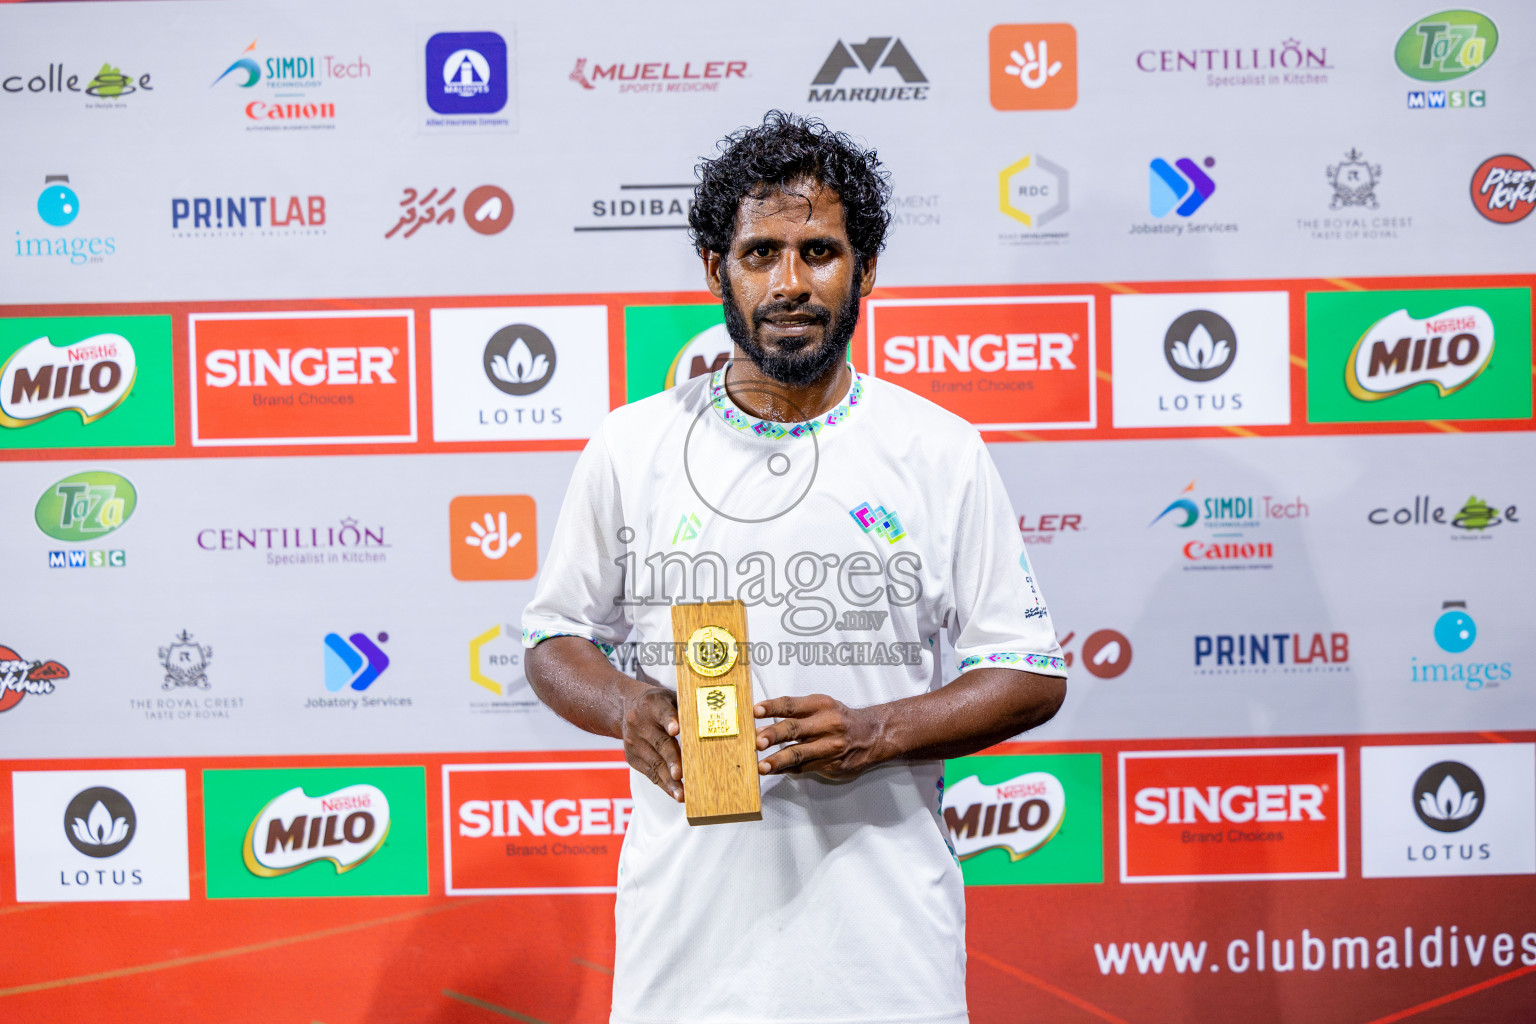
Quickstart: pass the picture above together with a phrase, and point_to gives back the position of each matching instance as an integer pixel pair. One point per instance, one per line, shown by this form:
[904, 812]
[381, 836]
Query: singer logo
[1002, 363]
[1212, 815]
[1399, 351]
[303, 378]
[345, 827]
[534, 828]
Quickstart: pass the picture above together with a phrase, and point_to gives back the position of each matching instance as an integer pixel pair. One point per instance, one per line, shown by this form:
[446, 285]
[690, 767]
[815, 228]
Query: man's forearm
[579, 684]
[982, 707]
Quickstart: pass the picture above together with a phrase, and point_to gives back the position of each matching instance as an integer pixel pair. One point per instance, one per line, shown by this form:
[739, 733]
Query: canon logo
[1188, 805]
[248, 367]
[602, 816]
[988, 353]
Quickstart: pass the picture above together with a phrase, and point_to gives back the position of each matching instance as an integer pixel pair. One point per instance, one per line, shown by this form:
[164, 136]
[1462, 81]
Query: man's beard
[794, 363]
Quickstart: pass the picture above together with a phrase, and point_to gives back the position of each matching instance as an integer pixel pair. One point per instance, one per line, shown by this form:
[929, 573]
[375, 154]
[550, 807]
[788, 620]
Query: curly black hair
[783, 150]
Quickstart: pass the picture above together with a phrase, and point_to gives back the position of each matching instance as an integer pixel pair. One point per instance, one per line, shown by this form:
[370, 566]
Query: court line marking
[482, 1004]
[1045, 986]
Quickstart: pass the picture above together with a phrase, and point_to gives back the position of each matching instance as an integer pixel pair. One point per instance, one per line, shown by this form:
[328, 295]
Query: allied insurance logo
[1419, 355]
[989, 359]
[1029, 820]
[1231, 815]
[468, 80]
[322, 377]
[315, 832]
[1033, 67]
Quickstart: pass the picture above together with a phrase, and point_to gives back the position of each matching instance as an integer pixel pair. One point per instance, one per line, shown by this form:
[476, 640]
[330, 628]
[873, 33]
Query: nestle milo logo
[86, 506]
[1398, 351]
[91, 377]
[1446, 45]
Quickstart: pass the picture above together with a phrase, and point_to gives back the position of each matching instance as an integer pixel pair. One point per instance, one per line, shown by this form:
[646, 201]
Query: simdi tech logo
[1230, 815]
[989, 359]
[1229, 520]
[534, 828]
[493, 537]
[1027, 820]
[1033, 67]
[1441, 48]
[317, 377]
[287, 80]
[1448, 354]
[100, 835]
[86, 507]
[86, 382]
[1448, 810]
[665, 346]
[315, 832]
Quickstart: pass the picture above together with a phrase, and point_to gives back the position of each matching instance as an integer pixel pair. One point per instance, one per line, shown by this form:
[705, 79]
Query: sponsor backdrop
[306, 313]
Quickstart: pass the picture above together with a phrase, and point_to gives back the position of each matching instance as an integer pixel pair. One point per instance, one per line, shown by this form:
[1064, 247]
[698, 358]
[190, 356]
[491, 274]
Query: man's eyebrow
[826, 242]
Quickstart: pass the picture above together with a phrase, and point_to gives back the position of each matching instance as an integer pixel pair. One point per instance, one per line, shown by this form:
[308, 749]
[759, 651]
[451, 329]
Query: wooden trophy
[714, 711]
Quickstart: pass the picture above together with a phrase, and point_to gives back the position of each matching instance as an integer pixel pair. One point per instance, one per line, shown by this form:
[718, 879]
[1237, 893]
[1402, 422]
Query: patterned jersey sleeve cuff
[534, 637]
[1043, 663]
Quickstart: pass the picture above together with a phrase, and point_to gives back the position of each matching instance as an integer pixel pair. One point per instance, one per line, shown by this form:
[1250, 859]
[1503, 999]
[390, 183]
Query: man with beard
[855, 521]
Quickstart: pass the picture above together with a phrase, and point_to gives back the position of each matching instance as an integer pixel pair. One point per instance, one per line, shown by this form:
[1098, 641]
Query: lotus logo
[1399, 352]
[100, 822]
[1200, 345]
[519, 359]
[1448, 796]
[1019, 816]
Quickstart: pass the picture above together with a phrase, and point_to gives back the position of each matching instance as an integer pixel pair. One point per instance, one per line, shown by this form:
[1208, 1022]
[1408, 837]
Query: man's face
[791, 284]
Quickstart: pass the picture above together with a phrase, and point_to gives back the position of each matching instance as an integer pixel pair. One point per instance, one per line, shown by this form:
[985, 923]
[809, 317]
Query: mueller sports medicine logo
[1215, 815]
[534, 828]
[987, 359]
[1019, 815]
[303, 378]
[295, 829]
[91, 377]
[239, 216]
[657, 76]
[1399, 351]
[1504, 188]
[881, 60]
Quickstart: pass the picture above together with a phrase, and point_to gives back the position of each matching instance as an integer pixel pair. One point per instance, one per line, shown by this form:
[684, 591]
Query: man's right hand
[650, 738]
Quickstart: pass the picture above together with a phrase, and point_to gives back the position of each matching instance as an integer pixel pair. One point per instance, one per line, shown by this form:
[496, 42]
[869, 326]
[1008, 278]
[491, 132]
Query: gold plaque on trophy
[714, 711]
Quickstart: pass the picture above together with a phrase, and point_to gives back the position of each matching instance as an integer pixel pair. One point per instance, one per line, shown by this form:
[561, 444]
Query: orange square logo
[1033, 67]
[493, 537]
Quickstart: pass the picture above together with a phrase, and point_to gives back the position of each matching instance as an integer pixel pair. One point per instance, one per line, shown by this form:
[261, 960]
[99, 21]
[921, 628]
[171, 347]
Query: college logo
[519, 373]
[1182, 187]
[1411, 355]
[1504, 188]
[315, 832]
[985, 359]
[19, 677]
[89, 836]
[109, 83]
[669, 345]
[487, 210]
[353, 663]
[185, 662]
[467, 73]
[231, 216]
[85, 506]
[874, 53]
[534, 828]
[1471, 521]
[1026, 820]
[1033, 191]
[303, 377]
[58, 206]
[1447, 810]
[1447, 45]
[1228, 815]
[1033, 67]
[658, 76]
[493, 537]
[1201, 359]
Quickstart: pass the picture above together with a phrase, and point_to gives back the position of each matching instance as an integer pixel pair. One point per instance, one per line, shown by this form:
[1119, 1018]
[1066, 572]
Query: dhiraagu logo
[316, 832]
[86, 506]
[1446, 45]
[1025, 820]
[1444, 354]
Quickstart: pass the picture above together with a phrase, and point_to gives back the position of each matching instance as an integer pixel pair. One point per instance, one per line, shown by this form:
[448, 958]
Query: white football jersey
[853, 539]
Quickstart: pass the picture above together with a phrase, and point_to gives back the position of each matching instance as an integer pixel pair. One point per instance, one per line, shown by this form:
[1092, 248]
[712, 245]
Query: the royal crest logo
[295, 829]
[91, 377]
[1399, 351]
[1354, 182]
[19, 677]
[185, 662]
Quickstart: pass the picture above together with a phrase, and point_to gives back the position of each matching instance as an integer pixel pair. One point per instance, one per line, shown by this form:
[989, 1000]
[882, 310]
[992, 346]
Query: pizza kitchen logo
[20, 677]
[656, 77]
[294, 830]
[1504, 189]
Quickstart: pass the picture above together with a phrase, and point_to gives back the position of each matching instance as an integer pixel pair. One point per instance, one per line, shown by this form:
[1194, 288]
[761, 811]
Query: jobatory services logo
[640, 207]
[100, 835]
[1290, 63]
[1448, 810]
[315, 832]
[1232, 528]
[1230, 815]
[1026, 820]
[1033, 191]
[288, 91]
[354, 662]
[665, 77]
[1475, 519]
[1181, 188]
[1033, 67]
[469, 81]
[487, 210]
[1271, 653]
[105, 89]
[264, 216]
[20, 677]
[1441, 48]
[1353, 205]
[1207, 359]
[86, 507]
[1504, 188]
[519, 373]
[1443, 354]
[314, 377]
[986, 359]
[1455, 633]
[534, 828]
[493, 537]
[882, 61]
[665, 346]
[58, 206]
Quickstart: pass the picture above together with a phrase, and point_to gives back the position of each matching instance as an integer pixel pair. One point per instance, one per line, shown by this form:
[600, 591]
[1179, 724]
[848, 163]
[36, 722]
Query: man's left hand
[822, 736]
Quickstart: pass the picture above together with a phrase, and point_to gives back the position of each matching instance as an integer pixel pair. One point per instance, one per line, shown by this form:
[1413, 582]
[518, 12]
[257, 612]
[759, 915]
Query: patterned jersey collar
[771, 429]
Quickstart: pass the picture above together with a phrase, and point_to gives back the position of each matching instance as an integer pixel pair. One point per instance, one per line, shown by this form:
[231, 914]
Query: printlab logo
[85, 507]
[19, 677]
[1455, 631]
[1255, 653]
[185, 662]
[1443, 47]
[519, 359]
[876, 53]
[355, 662]
[493, 537]
[1448, 797]
[1503, 188]
[233, 216]
[1182, 187]
[1106, 653]
[658, 76]
[1025, 820]
[1033, 191]
[100, 822]
[467, 74]
[57, 206]
[1033, 67]
[487, 210]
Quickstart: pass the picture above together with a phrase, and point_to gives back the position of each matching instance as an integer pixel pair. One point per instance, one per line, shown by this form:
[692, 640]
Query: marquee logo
[1033, 67]
[875, 53]
[99, 822]
[1216, 815]
[317, 377]
[86, 506]
[1013, 820]
[1398, 351]
[1504, 188]
[295, 829]
[20, 677]
[986, 359]
[1446, 45]
[91, 377]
